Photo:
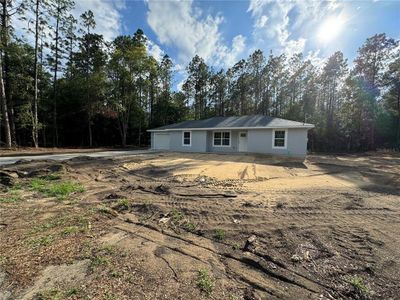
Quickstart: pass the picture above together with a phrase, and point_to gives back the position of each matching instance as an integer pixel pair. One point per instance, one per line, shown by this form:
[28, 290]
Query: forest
[65, 85]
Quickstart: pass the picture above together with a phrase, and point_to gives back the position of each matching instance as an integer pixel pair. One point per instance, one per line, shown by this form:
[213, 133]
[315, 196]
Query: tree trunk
[55, 128]
[4, 82]
[90, 130]
[4, 110]
[36, 71]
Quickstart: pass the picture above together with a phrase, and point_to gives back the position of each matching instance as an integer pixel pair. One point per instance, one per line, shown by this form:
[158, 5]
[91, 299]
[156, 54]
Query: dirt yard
[201, 226]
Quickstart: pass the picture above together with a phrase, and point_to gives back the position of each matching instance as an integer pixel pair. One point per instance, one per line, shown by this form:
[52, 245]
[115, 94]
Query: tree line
[68, 86]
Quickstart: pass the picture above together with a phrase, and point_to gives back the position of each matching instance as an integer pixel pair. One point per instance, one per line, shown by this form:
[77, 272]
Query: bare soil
[150, 226]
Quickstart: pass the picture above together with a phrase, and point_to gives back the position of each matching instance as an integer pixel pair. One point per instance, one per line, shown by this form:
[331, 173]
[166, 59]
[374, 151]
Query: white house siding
[260, 141]
[232, 148]
[198, 142]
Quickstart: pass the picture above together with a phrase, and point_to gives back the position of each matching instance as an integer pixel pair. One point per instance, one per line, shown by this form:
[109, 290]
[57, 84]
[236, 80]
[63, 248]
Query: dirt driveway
[201, 226]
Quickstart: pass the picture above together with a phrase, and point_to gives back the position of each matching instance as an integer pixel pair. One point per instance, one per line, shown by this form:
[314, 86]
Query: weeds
[236, 246]
[109, 297]
[59, 190]
[72, 292]
[190, 227]
[176, 215]
[204, 281]
[72, 230]
[51, 223]
[41, 241]
[13, 195]
[115, 274]
[358, 284]
[219, 234]
[51, 294]
[124, 204]
[99, 261]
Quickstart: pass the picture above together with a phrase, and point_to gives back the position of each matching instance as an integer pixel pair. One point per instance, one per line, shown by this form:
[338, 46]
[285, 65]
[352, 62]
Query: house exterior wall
[258, 141]
[198, 141]
[232, 148]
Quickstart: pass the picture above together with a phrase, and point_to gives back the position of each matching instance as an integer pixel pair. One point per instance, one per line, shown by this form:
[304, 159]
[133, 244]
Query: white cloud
[154, 50]
[107, 15]
[184, 26]
[277, 21]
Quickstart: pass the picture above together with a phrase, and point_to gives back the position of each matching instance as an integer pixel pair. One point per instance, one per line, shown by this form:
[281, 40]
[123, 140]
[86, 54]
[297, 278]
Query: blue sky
[222, 32]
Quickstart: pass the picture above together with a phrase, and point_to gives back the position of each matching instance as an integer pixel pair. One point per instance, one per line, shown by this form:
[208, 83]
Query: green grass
[115, 274]
[72, 230]
[41, 241]
[219, 234]
[190, 227]
[57, 189]
[176, 215]
[12, 196]
[236, 246]
[49, 224]
[204, 281]
[99, 261]
[358, 284]
[124, 204]
[72, 292]
[51, 294]
[109, 297]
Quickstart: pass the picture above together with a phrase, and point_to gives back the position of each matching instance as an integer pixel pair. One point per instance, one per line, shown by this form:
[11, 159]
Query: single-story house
[253, 134]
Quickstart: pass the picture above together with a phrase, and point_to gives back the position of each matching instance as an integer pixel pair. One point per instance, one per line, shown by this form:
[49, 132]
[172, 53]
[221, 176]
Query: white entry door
[243, 141]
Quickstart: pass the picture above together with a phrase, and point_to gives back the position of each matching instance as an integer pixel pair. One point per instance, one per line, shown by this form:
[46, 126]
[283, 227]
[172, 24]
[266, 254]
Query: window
[222, 139]
[243, 134]
[279, 139]
[187, 138]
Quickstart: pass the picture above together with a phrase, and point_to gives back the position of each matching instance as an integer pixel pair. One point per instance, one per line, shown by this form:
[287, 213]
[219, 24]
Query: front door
[243, 141]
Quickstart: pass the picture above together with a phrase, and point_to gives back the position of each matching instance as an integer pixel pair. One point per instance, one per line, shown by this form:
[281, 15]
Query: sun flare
[330, 29]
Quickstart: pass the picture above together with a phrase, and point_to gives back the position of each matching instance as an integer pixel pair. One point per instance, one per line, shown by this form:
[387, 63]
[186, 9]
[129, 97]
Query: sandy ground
[151, 226]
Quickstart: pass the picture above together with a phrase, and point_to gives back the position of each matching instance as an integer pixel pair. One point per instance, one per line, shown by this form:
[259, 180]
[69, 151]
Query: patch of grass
[204, 281]
[49, 224]
[358, 284]
[3, 260]
[105, 210]
[219, 234]
[99, 261]
[72, 230]
[51, 294]
[57, 189]
[109, 297]
[115, 274]
[12, 195]
[41, 241]
[72, 292]
[50, 177]
[236, 246]
[176, 215]
[190, 227]
[124, 204]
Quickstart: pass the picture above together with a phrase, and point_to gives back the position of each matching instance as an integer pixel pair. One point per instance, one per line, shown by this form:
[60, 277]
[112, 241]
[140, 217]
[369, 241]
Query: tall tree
[369, 64]
[59, 10]
[196, 86]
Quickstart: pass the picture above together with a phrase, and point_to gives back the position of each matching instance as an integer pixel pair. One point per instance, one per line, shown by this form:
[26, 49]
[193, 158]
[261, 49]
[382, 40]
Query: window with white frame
[222, 139]
[187, 138]
[279, 139]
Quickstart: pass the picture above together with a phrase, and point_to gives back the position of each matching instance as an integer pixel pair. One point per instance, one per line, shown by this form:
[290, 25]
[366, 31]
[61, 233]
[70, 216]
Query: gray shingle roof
[253, 121]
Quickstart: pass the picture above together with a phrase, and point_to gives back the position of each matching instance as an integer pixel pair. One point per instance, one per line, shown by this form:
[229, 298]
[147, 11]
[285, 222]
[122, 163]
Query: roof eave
[306, 126]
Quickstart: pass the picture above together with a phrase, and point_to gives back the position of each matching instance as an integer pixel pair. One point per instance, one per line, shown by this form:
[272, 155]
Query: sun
[330, 29]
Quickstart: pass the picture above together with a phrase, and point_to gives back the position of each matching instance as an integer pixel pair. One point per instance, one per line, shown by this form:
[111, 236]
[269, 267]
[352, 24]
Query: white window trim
[183, 138]
[273, 138]
[221, 131]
